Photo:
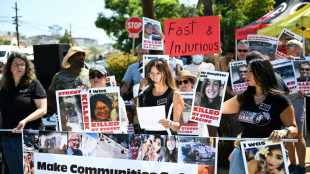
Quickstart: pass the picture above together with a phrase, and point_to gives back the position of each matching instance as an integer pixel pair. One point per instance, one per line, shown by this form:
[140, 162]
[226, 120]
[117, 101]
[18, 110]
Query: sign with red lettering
[192, 36]
[152, 37]
[209, 97]
[104, 110]
[134, 26]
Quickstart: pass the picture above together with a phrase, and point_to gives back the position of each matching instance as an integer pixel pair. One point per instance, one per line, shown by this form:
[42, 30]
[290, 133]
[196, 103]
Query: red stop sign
[134, 25]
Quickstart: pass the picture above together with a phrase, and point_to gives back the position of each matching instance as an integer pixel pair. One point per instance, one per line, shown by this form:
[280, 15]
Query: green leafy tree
[233, 20]
[66, 38]
[254, 9]
[123, 9]
[4, 42]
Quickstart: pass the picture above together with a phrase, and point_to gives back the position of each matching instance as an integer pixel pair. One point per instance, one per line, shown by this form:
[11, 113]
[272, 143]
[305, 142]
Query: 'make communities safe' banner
[192, 36]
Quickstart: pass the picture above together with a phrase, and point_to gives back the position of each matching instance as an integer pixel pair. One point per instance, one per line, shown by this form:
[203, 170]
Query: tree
[123, 9]
[254, 9]
[66, 38]
[55, 30]
[5, 42]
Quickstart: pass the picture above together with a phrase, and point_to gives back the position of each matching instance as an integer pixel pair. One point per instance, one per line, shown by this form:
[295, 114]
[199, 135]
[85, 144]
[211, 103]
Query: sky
[38, 15]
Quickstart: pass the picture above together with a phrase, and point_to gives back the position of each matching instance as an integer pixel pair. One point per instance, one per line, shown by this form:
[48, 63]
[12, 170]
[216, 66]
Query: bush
[118, 64]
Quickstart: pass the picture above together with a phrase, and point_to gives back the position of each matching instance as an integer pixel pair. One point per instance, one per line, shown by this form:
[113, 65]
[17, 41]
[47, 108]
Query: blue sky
[37, 15]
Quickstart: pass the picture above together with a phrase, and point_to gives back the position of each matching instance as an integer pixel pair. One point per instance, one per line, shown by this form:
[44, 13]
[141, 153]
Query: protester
[134, 142]
[294, 48]
[304, 71]
[272, 162]
[162, 92]
[171, 149]
[74, 144]
[241, 73]
[22, 104]
[222, 63]
[97, 78]
[185, 81]
[198, 65]
[73, 75]
[262, 96]
[132, 73]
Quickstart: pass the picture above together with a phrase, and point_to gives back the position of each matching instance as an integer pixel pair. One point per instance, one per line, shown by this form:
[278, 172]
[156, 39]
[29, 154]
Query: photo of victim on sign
[209, 97]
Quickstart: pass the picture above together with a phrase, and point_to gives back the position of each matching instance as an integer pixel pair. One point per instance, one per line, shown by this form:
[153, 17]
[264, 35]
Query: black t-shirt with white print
[260, 120]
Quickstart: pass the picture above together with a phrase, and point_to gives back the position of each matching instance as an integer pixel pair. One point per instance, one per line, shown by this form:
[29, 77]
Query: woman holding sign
[262, 109]
[162, 92]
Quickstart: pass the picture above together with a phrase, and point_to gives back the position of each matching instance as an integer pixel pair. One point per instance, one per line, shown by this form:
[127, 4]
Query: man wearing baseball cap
[73, 75]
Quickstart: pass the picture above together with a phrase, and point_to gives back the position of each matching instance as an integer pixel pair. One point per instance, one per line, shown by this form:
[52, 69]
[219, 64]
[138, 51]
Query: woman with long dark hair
[171, 149]
[162, 92]
[262, 109]
[210, 94]
[22, 103]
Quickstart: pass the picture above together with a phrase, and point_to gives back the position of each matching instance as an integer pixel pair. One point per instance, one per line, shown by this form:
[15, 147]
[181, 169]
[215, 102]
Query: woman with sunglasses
[162, 92]
[97, 78]
[185, 81]
[262, 109]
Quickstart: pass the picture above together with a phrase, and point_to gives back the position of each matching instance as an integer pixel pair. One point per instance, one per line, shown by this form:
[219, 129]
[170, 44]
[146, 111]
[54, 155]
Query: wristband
[171, 124]
[288, 131]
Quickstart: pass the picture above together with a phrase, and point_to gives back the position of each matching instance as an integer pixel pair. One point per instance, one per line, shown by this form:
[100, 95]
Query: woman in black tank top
[162, 92]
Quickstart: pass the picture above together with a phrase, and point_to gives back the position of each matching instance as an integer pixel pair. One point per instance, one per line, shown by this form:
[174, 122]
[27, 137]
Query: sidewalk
[226, 171]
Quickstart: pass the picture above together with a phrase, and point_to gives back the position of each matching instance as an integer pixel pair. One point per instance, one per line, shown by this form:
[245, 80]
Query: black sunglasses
[239, 50]
[99, 76]
[184, 81]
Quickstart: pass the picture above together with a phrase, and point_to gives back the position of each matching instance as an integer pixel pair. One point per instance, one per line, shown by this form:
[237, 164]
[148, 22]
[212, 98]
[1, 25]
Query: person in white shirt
[198, 65]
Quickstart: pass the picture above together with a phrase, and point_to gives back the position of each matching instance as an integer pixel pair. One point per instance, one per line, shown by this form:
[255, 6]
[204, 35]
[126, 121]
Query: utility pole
[70, 30]
[16, 23]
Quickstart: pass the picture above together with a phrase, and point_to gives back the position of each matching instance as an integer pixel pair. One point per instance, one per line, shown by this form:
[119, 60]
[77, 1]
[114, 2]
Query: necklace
[261, 96]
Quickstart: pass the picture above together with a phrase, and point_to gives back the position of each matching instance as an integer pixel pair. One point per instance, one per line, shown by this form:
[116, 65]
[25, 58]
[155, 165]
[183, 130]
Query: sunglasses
[304, 69]
[244, 72]
[93, 76]
[184, 81]
[239, 50]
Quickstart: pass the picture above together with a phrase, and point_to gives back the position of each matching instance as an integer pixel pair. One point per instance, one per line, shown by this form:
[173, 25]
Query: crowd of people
[281, 117]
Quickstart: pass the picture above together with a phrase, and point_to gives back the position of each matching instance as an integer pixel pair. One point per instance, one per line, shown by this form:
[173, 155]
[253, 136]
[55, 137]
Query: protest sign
[283, 38]
[176, 65]
[238, 72]
[73, 152]
[71, 109]
[302, 71]
[210, 91]
[188, 127]
[264, 157]
[285, 69]
[148, 58]
[110, 81]
[104, 110]
[192, 36]
[152, 35]
[266, 45]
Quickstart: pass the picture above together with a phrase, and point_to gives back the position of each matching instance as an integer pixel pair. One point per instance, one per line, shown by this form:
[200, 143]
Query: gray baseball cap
[99, 68]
